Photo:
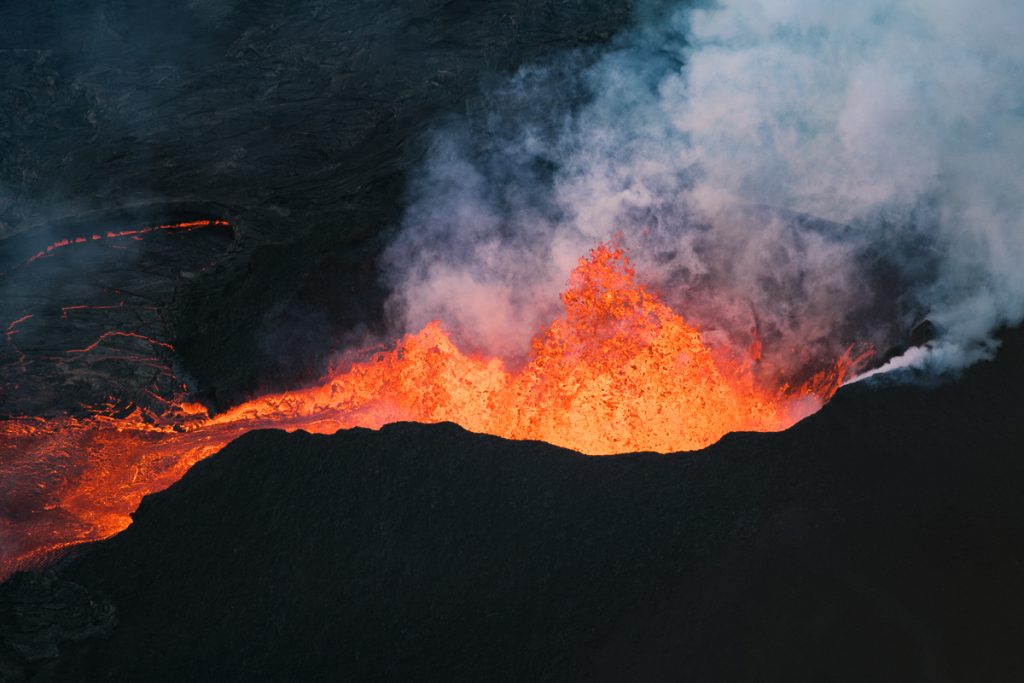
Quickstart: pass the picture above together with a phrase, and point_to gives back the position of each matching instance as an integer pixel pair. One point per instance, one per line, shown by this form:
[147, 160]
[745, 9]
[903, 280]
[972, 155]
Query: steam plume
[812, 173]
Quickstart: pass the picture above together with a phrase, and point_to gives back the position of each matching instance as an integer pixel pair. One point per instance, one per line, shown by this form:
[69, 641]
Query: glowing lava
[618, 372]
[132, 233]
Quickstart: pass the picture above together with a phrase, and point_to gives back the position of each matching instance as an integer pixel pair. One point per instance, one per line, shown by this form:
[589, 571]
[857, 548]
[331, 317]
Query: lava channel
[619, 371]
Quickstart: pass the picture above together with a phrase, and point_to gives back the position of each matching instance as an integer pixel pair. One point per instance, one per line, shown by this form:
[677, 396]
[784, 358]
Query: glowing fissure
[618, 372]
[131, 233]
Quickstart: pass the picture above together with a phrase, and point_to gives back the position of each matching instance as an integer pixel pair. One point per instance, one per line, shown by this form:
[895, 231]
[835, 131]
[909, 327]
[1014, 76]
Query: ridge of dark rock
[879, 539]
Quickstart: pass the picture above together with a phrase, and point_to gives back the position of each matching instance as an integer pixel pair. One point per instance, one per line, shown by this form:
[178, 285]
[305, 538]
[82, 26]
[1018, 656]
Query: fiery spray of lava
[619, 371]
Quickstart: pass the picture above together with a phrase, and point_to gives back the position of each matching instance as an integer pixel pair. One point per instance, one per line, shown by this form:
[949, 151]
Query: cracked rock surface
[295, 121]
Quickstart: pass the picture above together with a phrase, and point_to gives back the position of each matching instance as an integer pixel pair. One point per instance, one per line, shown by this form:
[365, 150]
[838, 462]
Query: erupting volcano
[619, 371]
[511, 341]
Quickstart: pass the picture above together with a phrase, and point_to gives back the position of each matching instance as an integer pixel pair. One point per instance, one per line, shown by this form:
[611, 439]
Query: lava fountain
[619, 371]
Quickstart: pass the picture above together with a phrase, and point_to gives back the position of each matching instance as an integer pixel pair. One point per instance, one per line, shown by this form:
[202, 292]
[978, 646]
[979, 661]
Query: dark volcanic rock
[880, 539]
[297, 121]
[91, 322]
[46, 612]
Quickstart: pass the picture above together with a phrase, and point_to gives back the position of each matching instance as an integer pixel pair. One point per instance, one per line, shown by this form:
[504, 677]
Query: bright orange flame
[619, 372]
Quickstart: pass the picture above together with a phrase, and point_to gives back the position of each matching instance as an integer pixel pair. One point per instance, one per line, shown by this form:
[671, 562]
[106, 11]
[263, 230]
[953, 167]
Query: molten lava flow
[133, 233]
[619, 371]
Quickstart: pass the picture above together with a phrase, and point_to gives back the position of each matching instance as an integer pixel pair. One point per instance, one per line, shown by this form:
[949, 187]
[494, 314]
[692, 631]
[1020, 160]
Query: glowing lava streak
[133, 233]
[619, 372]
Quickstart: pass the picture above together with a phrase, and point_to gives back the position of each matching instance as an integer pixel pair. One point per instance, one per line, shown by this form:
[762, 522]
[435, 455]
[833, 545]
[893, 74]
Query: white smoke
[707, 137]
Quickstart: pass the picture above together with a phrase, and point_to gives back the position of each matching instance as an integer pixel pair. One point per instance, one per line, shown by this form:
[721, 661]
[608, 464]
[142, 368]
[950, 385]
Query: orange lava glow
[618, 372]
[133, 233]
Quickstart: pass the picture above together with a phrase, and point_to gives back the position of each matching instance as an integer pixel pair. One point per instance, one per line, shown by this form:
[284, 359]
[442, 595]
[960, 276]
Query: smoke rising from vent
[791, 173]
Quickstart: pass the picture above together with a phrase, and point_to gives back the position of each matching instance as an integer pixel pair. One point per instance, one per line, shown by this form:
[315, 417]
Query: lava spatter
[618, 371]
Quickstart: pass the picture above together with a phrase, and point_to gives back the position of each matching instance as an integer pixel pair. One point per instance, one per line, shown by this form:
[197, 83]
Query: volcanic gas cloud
[618, 371]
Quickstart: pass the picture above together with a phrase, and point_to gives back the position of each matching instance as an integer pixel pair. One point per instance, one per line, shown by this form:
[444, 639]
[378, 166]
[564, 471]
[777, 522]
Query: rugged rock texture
[878, 540]
[297, 121]
[92, 323]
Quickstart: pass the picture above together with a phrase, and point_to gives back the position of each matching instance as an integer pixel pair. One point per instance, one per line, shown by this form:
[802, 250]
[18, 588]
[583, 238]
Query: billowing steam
[803, 173]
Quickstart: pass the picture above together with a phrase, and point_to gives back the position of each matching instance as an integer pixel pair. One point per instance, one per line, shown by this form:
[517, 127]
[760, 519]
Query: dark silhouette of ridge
[879, 539]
